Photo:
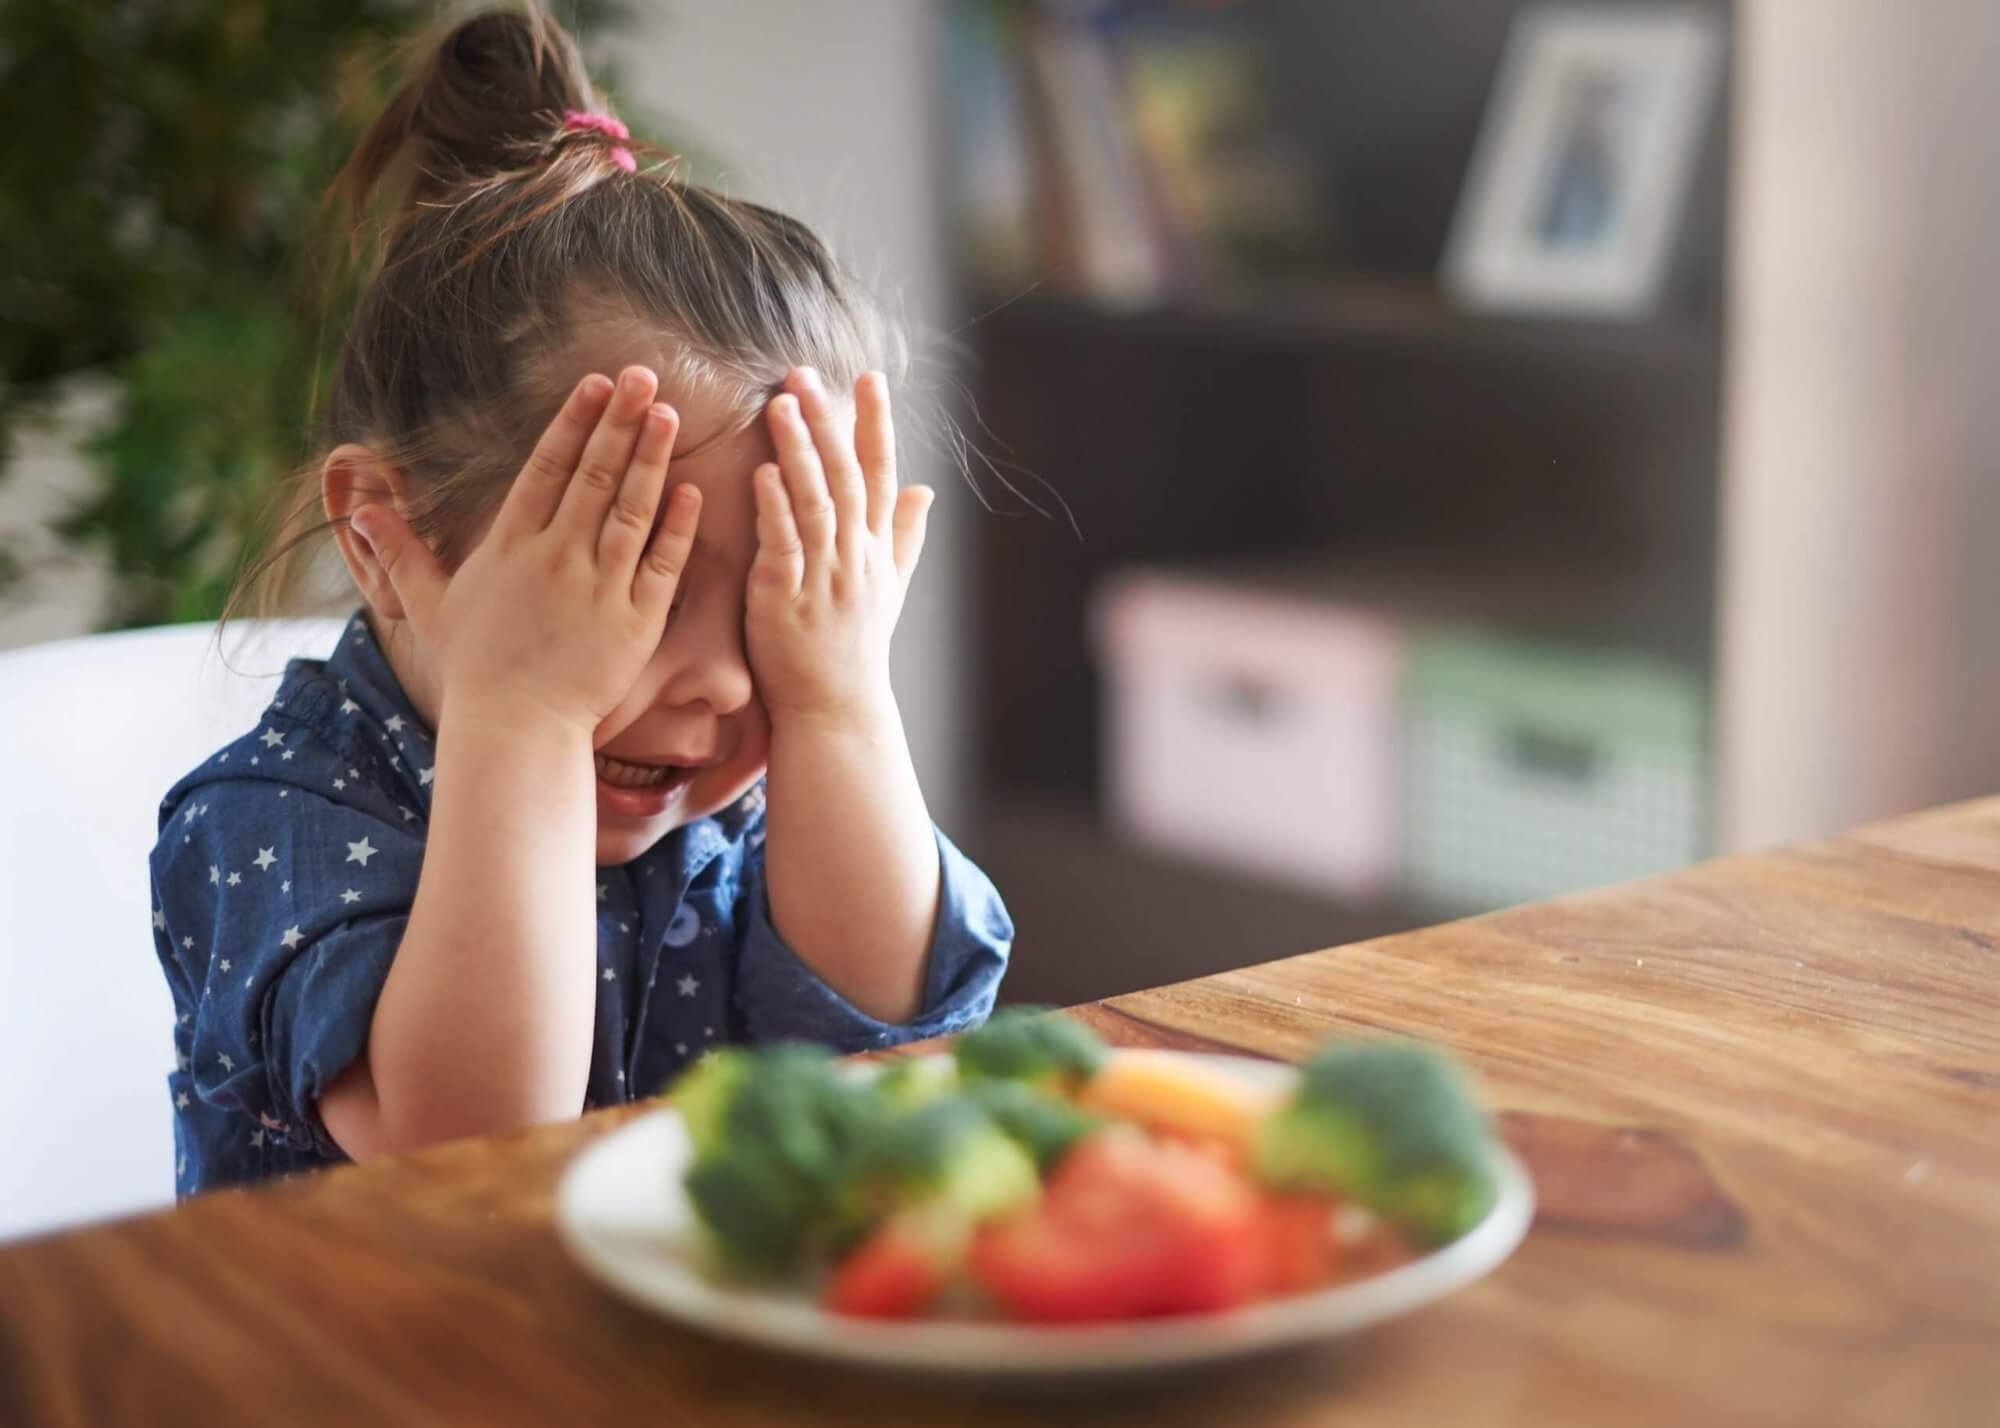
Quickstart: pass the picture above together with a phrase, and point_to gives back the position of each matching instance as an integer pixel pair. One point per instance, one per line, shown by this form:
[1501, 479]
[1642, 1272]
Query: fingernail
[632, 381]
[811, 378]
[594, 386]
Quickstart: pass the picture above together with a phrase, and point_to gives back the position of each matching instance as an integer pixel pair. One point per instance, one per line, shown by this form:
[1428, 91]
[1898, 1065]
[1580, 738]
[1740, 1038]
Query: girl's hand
[560, 605]
[836, 546]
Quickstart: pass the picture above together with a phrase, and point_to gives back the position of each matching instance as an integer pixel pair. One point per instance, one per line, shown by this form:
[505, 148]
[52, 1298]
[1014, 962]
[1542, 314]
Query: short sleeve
[279, 913]
[780, 998]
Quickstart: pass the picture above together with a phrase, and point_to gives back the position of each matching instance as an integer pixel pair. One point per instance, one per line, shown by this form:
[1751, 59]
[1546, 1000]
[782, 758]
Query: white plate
[621, 1211]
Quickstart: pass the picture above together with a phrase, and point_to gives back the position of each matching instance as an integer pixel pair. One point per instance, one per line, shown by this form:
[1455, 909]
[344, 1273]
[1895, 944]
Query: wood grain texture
[1762, 1098]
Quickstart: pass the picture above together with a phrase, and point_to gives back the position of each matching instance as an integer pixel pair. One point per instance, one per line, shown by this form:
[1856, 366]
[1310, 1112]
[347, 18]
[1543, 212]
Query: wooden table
[1762, 1098]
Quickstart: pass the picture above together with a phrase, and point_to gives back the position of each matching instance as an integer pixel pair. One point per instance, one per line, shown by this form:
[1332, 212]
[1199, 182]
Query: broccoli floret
[776, 1155]
[1389, 1125]
[704, 1091]
[946, 1155]
[1040, 1122]
[1027, 1044]
[917, 1080]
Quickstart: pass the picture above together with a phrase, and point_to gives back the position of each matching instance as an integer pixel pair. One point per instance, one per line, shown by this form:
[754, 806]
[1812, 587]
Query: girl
[613, 473]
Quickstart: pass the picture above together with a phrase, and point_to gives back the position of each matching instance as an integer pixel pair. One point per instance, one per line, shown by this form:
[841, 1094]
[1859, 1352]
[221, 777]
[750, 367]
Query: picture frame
[1574, 195]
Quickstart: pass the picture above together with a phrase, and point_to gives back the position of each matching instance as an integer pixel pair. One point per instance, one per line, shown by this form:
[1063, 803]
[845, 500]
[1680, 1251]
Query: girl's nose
[713, 671]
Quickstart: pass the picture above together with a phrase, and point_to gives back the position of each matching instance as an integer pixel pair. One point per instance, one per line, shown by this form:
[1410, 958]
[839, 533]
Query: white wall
[825, 110]
[1861, 597]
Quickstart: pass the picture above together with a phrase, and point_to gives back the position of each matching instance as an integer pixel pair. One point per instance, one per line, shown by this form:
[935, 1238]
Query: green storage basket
[1536, 770]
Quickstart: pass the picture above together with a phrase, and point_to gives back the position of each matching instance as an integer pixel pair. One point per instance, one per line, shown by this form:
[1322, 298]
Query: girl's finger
[536, 493]
[804, 479]
[832, 429]
[600, 470]
[875, 447]
[913, 512]
[780, 566]
[412, 571]
[630, 524]
[666, 557]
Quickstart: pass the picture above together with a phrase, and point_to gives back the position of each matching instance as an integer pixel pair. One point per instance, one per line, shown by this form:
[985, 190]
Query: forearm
[487, 1017]
[851, 861]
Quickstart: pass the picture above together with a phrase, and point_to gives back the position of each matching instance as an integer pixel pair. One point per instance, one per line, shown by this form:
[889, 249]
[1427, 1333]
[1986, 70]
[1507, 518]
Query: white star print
[248, 980]
[224, 1062]
[688, 985]
[285, 886]
[189, 815]
[609, 975]
[288, 754]
[350, 896]
[339, 784]
[257, 1139]
[361, 852]
[621, 1075]
[408, 813]
[354, 773]
[180, 1167]
[186, 1017]
[272, 738]
[265, 857]
[181, 1101]
[224, 964]
[424, 776]
[235, 878]
[214, 875]
[602, 892]
[348, 706]
[284, 793]
[255, 761]
[394, 723]
[159, 919]
[188, 942]
[624, 927]
[223, 757]
[292, 938]
[680, 1048]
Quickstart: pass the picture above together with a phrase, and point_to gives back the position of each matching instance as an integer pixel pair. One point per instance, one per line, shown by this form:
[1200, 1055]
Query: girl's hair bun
[488, 97]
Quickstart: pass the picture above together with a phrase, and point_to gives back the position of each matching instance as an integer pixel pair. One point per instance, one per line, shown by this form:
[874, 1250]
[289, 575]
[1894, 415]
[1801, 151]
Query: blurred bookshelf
[1269, 384]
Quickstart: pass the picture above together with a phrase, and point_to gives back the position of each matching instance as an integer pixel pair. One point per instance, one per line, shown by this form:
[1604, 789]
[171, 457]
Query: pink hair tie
[579, 121]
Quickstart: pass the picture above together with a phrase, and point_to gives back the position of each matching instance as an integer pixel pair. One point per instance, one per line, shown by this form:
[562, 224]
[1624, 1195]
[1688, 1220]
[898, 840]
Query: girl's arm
[486, 1019]
[487, 1016]
[851, 866]
[852, 859]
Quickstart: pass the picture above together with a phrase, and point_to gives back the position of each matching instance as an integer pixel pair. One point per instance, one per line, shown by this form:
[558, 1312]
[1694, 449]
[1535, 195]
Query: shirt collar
[358, 670]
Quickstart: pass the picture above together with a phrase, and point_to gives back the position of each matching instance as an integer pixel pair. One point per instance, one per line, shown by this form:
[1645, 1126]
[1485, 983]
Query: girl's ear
[355, 476]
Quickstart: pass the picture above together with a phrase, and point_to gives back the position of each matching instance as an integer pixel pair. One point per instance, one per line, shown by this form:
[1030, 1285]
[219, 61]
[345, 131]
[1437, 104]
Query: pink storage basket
[1252, 730]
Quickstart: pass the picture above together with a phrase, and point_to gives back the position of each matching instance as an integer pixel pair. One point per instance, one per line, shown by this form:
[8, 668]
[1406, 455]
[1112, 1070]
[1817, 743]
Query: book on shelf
[1119, 150]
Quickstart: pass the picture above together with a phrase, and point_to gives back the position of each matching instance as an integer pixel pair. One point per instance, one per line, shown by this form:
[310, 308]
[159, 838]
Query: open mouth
[627, 788]
[621, 773]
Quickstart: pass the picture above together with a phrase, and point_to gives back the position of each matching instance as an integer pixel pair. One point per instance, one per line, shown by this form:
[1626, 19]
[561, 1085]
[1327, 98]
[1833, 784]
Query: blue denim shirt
[284, 874]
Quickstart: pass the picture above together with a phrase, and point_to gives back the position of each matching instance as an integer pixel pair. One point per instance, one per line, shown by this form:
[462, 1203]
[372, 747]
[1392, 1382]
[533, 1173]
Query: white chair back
[93, 732]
